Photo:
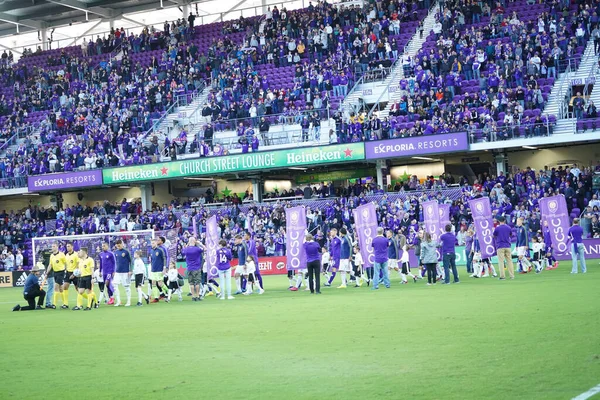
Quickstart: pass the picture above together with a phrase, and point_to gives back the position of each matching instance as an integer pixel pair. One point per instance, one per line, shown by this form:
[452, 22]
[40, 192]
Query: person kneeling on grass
[32, 290]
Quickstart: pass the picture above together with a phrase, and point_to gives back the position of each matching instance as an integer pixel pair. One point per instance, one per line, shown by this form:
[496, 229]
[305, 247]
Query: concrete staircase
[562, 85]
[412, 48]
[351, 102]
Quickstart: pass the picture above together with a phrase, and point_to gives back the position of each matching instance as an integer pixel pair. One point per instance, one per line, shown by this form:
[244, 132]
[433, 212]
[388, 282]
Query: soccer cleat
[293, 289]
[155, 301]
[180, 298]
[210, 294]
[327, 284]
[261, 291]
[162, 295]
[414, 279]
[342, 286]
[51, 306]
[111, 301]
[230, 297]
[64, 307]
[139, 304]
[16, 308]
[221, 297]
[238, 292]
[87, 309]
[307, 289]
[147, 300]
[118, 304]
[39, 308]
[247, 293]
[127, 304]
[167, 300]
[189, 294]
[555, 265]
[76, 308]
[368, 282]
[96, 305]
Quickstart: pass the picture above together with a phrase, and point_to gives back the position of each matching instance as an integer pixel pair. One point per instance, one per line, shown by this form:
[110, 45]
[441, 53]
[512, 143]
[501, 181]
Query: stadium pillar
[111, 23]
[257, 190]
[500, 160]
[380, 167]
[44, 32]
[186, 10]
[146, 196]
[264, 6]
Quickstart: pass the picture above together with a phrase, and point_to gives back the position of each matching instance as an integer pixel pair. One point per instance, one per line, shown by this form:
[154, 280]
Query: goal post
[132, 240]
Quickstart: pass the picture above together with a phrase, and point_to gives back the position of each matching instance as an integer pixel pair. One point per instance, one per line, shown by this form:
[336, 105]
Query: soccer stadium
[315, 199]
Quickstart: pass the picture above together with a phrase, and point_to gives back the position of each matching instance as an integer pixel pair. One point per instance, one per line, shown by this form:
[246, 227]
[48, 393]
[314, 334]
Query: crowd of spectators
[512, 195]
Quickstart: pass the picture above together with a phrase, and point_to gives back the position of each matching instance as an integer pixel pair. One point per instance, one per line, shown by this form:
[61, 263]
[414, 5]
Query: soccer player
[334, 253]
[538, 253]
[107, 270]
[70, 279]
[358, 268]
[158, 262]
[253, 252]
[140, 272]
[393, 251]
[173, 276]
[242, 255]
[86, 269]
[551, 261]
[224, 266]
[193, 257]
[405, 261]
[58, 265]
[124, 270]
[345, 255]
[522, 247]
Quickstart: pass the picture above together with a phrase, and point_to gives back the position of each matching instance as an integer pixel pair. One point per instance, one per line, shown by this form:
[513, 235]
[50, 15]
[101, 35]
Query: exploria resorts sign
[416, 146]
[67, 180]
[236, 163]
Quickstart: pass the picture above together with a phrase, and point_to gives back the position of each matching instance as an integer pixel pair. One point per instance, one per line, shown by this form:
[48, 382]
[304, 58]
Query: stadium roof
[21, 16]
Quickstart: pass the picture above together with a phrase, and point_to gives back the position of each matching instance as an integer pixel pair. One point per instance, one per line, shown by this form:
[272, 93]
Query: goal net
[132, 241]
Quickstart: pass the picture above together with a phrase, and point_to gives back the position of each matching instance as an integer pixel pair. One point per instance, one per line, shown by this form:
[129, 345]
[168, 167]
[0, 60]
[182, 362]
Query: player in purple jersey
[334, 250]
[253, 252]
[107, 269]
[552, 263]
[224, 257]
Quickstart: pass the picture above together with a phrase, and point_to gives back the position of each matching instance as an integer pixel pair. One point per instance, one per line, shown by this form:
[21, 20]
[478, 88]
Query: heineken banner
[235, 163]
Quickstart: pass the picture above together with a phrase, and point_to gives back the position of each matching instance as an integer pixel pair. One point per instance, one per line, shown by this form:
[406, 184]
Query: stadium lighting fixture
[125, 187]
[297, 168]
[198, 179]
[424, 158]
[31, 194]
[530, 147]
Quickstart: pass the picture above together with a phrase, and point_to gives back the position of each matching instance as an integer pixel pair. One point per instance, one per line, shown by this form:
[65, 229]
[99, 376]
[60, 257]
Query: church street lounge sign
[417, 146]
[236, 163]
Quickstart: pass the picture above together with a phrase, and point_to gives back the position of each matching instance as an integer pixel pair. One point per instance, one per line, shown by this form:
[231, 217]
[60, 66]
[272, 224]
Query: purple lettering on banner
[555, 213]
[591, 248]
[295, 230]
[431, 218]
[419, 145]
[68, 180]
[484, 225]
[212, 242]
[365, 220]
[444, 210]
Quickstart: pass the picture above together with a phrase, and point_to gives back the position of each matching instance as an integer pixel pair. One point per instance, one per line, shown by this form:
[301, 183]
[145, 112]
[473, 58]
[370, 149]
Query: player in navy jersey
[345, 265]
[242, 255]
[124, 269]
[522, 247]
[253, 252]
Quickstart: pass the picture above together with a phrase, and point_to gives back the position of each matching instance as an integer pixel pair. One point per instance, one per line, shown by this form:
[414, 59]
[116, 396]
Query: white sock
[101, 297]
[291, 281]
[344, 278]
[169, 295]
[128, 293]
[117, 295]
[403, 276]
[140, 294]
[298, 280]
[238, 284]
[179, 293]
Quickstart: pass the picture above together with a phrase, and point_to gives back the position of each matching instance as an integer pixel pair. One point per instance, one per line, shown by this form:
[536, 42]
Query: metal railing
[502, 133]
[566, 88]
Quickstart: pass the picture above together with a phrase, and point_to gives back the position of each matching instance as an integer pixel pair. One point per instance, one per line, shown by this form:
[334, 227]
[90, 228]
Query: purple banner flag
[295, 230]
[444, 210]
[431, 218]
[365, 220]
[555, 212]
[40, 183]
[417, 145]
[212, 242]
[484, 225]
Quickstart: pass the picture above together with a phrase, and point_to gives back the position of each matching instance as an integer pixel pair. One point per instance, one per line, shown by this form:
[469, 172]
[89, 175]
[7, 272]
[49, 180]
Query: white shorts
[392, 264]
[477, 257]
[345, 266]
[245, 270]
[122, 278]
[521, 251]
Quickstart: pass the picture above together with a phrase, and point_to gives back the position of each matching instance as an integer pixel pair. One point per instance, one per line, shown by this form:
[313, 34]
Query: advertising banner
[6, 279]
[484, 225]
[416, 146]
[365, 219]
[295, 230]
[212, 242]
[431, 218]
[67, 180]
[555, 212]
[236, 163]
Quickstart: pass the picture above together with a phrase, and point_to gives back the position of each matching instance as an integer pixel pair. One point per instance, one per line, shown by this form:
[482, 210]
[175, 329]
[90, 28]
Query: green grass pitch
[537, 337]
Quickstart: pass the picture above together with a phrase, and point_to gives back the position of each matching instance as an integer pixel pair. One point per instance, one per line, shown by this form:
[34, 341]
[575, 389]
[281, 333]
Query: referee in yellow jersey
[58, 264]
[70, 279]
[86, 269]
